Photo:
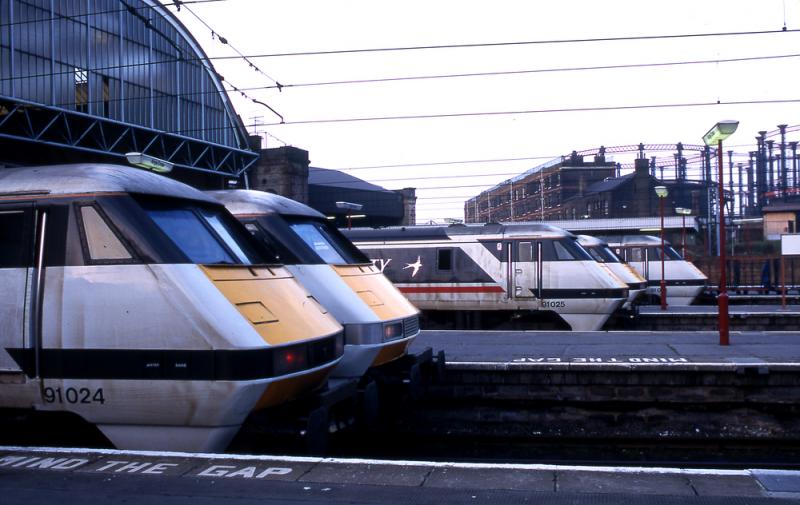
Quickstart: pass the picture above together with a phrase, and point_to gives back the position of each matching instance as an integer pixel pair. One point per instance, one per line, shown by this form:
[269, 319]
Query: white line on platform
[432, 464]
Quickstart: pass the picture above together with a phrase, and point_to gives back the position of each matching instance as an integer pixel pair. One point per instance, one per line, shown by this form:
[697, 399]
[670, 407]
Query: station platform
[32, 476]
[743, 317]
[615, 349]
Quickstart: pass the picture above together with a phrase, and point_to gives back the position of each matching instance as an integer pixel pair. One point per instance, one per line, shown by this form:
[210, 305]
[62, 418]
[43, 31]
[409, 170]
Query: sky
[427, 153]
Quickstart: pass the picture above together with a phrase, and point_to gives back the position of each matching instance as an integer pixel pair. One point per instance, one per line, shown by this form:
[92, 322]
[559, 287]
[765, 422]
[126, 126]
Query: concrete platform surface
[747, 351]
[738, 310]
[45, 475]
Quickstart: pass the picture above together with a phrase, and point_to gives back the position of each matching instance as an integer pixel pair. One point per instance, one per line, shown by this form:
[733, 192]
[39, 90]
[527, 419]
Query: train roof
[507, 230]
[250, 202]
[92, 178]
[633, 240]
[590, 241]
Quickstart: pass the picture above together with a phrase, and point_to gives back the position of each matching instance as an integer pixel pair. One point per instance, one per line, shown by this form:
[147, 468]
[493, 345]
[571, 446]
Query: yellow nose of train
[287, 318]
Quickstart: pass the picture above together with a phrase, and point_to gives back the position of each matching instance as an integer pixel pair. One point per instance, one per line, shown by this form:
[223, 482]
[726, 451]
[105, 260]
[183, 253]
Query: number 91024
[73, 395]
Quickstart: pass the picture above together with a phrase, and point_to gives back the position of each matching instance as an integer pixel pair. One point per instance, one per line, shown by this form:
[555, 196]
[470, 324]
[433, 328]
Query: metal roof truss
[32, 122]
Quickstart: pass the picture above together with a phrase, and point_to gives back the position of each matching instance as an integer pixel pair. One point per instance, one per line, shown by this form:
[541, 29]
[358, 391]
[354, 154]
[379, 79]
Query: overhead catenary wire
[516, 43]
[224, 40]
[534, 71]
[539, 111]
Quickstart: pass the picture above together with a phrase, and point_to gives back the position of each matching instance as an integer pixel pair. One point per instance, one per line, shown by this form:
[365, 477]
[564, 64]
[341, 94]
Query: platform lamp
[662, 193]
[716, 135]
[149, 162]
[683, 213]
[350, 207]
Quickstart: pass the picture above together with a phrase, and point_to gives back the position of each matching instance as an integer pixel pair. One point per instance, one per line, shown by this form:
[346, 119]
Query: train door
[16, 278]
[526, 270]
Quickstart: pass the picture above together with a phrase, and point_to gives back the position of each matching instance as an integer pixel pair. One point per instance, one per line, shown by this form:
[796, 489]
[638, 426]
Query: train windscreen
[327, 242]
[204, 235]
[670, 254]
[564, 250]
[603, 254]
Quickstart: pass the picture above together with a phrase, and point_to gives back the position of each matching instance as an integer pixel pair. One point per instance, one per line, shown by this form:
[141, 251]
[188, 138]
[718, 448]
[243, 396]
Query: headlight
[392, 331]
[286, 361]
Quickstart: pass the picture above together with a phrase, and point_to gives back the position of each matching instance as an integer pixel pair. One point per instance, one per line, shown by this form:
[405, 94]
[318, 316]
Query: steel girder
[32, 122]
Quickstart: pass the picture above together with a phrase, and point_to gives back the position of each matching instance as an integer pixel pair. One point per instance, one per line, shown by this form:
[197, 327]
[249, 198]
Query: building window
[106, 98]
[82, 90]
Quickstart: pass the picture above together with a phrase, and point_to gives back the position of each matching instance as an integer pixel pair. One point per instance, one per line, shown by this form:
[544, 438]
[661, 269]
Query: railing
[760, 274]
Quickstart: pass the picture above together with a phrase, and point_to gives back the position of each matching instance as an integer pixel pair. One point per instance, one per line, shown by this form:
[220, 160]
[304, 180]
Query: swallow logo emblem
[415, 266]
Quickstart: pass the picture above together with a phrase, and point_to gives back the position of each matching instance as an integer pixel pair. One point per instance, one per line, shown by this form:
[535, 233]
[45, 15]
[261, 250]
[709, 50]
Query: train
[602, 253]
[142, 306]
[494, 272]
[683, 281]
[379, 322]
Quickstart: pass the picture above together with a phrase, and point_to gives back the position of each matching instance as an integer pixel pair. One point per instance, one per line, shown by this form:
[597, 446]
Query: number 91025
[73, 395]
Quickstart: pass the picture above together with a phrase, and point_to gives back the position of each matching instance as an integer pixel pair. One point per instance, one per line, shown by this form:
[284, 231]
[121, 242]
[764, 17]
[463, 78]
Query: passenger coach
[506, 270]
[142, 306]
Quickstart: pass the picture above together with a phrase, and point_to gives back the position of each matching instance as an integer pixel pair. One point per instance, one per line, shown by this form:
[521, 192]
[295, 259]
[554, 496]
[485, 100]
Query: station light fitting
[149, 162]
[720, 132]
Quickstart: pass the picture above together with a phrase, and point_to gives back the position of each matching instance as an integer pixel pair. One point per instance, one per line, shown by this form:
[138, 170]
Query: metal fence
[753, 274]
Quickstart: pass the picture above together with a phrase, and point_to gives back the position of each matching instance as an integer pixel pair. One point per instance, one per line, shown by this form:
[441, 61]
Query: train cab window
[636, 254]
[669, 253]
[15, 246]
[327, 242]
[564, 250]
[672, 254]
[603, 254]
[314, 237]
[204, 235]
[444, 259]
[214, 219]
[272, 249]
[525, 251]
[101, 242]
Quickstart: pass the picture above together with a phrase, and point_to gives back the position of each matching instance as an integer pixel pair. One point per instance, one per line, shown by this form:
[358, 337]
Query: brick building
[568, 189]
[539, 193]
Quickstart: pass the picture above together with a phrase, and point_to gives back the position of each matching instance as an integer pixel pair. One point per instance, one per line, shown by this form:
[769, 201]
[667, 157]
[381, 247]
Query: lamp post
[662, 193]
[683, 213]
[716, 135]
[349, 207]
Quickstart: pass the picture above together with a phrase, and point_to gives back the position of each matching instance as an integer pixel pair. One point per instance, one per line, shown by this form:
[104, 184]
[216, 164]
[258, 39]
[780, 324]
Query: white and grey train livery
[142, 306]
[684, 281]
[512, 270]
[602, 253]
[379, 322]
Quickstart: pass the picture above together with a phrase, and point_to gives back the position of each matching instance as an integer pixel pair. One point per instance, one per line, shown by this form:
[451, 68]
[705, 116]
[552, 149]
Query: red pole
[663, 281]
[722, 299]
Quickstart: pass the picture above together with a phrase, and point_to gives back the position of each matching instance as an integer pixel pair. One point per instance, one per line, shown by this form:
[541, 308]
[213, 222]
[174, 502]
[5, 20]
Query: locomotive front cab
[604, 256]
[379, 322]
[557, 271]
[140, 305]
[684, 282]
